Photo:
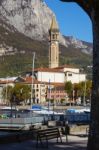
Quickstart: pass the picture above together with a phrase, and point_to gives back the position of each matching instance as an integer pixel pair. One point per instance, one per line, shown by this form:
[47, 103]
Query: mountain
[24, 26]
[85, 47]
[31, 17]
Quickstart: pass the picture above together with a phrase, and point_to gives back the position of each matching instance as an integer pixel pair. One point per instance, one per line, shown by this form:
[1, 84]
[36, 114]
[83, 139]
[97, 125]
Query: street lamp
[32, 91]
[84, 99]
[6, 97]
[13, 101]
[49, 95]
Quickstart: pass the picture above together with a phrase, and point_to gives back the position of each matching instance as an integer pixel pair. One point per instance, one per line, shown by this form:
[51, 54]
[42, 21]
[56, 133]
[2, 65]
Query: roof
[28, 80]
[48, 70]
[6, 82]
[57, 69]
[66, 66]
[54, 25]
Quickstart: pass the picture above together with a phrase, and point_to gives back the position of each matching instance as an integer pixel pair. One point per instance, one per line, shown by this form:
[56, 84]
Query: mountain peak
[26, 16]
[33, 18]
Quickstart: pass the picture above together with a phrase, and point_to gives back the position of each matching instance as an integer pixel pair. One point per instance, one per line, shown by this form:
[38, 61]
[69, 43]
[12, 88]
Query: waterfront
[25, 118]
[76, 140]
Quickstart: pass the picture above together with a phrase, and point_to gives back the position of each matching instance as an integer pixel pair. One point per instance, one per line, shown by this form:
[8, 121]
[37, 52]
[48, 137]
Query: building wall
[74, 77]
[60, 77]
[56, 94]
[75, 70]
[54, 54]
[40, 92]
[50, 76]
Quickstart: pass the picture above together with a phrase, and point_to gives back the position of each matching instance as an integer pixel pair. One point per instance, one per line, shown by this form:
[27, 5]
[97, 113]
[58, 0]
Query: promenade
[75, 142]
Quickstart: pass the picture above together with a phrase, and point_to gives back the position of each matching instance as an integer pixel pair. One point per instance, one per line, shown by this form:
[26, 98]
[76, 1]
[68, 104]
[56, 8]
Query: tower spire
[54, 25]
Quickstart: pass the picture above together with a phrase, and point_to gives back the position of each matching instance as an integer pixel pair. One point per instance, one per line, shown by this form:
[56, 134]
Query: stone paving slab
[74, 143]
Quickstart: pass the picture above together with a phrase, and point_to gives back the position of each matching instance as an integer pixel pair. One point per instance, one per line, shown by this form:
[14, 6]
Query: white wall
[75, 78]
[52, 76]
[75, 70]
[60, 77]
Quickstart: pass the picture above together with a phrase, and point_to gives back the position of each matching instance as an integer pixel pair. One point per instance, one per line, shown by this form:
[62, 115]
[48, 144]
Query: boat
[78, 116]
[38, 109]
[18, 119]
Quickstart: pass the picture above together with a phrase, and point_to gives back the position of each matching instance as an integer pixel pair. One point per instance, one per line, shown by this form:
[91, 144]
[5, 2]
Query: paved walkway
[74, 143]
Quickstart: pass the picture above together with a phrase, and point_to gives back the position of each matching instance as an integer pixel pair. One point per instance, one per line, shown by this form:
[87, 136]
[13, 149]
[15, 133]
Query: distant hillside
[23, 48]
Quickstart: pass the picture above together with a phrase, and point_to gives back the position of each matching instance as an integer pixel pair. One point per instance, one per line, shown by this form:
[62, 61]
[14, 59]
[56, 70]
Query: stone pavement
[75, 142]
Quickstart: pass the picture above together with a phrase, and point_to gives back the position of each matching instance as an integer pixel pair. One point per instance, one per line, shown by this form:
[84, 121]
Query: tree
[7, 93]
[22, 92]
[69, 88]
[91, 7]
[83, 88]
[88, 89]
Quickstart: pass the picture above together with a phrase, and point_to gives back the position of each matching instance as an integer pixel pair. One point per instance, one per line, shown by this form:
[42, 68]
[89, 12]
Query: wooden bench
[47, 134]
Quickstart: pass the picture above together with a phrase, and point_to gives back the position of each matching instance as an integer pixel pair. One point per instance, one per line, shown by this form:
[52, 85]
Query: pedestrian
[66, 130]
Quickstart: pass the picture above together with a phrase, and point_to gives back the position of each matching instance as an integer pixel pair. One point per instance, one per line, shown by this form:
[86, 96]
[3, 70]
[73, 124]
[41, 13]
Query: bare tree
[91, 7]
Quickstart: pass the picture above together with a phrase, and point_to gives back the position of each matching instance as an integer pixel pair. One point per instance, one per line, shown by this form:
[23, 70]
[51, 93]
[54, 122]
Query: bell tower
[54, 44]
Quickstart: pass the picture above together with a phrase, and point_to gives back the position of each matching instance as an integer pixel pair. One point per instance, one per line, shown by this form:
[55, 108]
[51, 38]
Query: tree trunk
[93, 141]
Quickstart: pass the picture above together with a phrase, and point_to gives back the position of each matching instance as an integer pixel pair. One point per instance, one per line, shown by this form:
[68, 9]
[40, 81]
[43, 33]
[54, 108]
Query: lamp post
[49, 88]
[73, 93]
[54, 98]
[6, 93]
[13, 101]
[32, 90]
[6, 97]
[84, 99]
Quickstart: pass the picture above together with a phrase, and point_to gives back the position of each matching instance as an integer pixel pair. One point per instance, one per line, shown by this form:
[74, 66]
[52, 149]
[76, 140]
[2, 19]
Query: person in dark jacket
[66, 130]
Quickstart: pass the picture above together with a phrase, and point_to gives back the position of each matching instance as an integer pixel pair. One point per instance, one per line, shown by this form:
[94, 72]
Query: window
[43, 90]
[70, 74]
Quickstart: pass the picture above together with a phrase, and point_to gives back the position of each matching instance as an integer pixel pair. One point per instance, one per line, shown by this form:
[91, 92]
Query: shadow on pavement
[72, 144]
[80, 135]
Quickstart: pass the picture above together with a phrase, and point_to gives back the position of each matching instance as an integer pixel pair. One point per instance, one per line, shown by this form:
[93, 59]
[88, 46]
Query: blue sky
[72, 20]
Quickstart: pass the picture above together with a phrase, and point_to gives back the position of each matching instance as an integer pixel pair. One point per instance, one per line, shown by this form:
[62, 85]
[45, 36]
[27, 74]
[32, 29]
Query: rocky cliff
[24, 26]
[33, 19]
[30, 17]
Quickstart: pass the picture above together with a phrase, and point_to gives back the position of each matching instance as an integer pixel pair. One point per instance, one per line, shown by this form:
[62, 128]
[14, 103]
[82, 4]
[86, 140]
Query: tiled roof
[6, 82]
[57, 69]
[48, 70]
[28, 80]
[66, 66]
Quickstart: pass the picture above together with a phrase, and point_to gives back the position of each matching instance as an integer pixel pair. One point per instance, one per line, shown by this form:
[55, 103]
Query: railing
[21, 121]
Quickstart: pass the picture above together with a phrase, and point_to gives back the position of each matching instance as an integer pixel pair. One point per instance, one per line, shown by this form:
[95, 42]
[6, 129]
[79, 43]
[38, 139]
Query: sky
[72, 20]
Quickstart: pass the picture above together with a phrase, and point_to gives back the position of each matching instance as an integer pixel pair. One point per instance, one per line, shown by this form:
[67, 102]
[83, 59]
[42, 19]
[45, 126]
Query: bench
[47, 134]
